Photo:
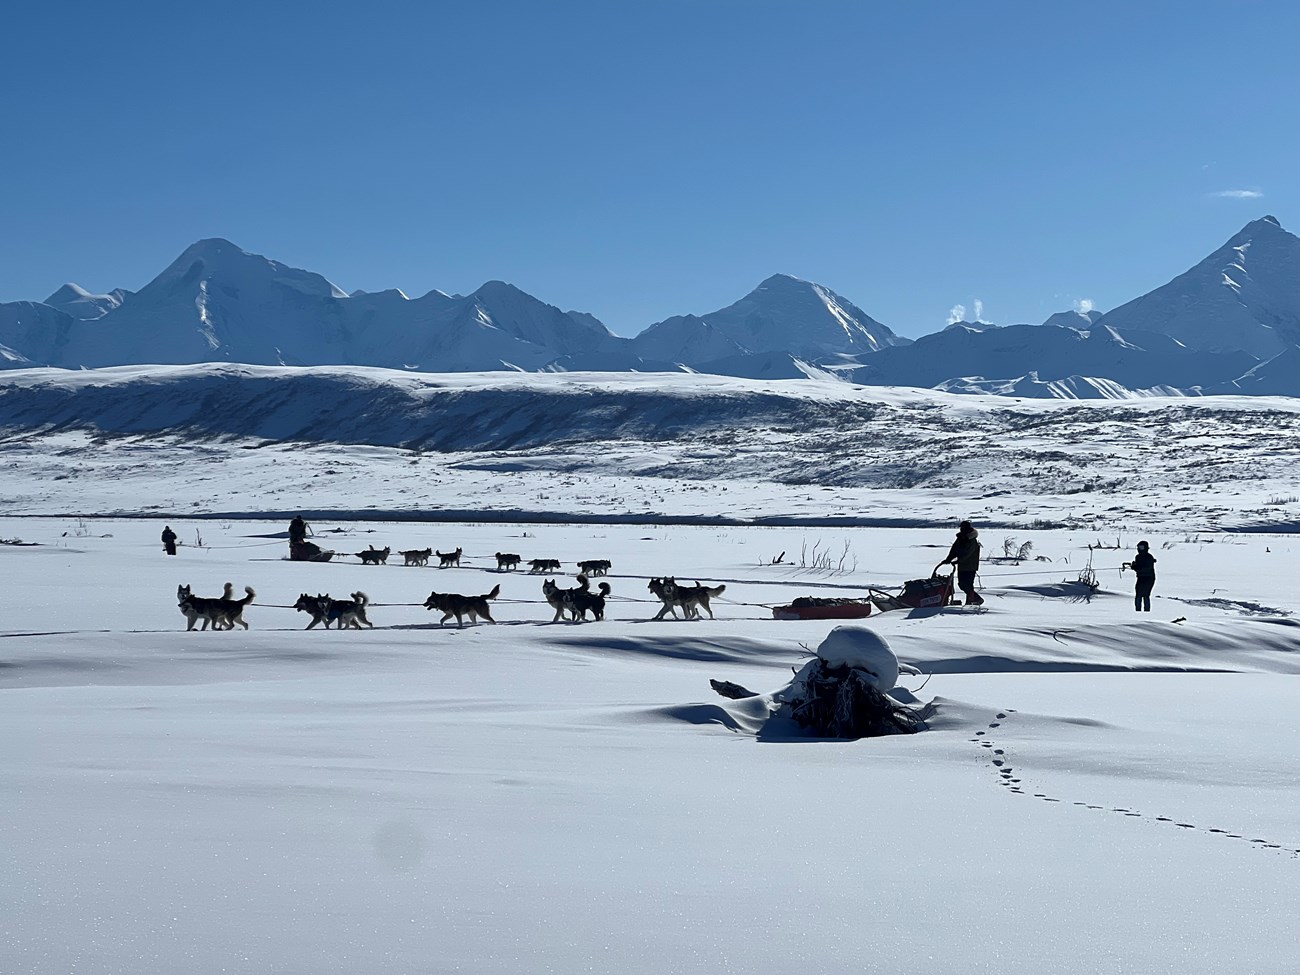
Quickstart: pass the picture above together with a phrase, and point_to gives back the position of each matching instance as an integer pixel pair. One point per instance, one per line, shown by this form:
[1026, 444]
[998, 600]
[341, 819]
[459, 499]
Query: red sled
[814, 608]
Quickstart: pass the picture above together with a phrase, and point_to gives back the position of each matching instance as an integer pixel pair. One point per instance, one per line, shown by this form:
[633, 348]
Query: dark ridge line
[517, 517]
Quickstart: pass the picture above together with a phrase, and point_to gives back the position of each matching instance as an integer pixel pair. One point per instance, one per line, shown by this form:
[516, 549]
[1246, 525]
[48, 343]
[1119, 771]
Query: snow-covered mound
[861, 648]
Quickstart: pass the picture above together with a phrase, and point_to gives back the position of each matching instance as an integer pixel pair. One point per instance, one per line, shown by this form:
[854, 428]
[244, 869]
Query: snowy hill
[32, 333]
[1244, 296]
[824, 449]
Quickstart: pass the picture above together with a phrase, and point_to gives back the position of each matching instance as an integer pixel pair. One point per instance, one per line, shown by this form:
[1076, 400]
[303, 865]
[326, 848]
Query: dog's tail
[229, 591]
[716, 590]
[361, 599]
[496, 591]
[583, 582]
[247, 599]
[604, 588]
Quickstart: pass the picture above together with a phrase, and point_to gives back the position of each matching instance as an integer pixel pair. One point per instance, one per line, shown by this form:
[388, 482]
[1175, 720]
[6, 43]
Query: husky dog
[595, 567]
[375, 556]
[453, 604]
[506, 561]
[560, 598]
[416, 556]
[344, 612]
[544, 565]
[315, 605]
[584, 601]
[689, 599]
[449, 558]
[222, 612]
[195, 608]
[576, 602]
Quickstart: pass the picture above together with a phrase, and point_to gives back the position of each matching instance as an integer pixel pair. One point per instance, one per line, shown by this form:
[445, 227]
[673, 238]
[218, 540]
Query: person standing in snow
[1144, 567]
[965, 554]
[169, 540]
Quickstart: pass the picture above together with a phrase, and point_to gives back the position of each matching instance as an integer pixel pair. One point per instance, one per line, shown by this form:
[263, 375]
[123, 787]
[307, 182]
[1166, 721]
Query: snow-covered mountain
[218, 303]
[787, 314]
[1206, 330]
[1244, 296]
[956, 356]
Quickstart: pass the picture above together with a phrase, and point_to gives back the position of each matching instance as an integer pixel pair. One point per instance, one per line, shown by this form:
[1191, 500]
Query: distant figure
[965, 554]
[169, 540]
[1144, 566]
[297, 530]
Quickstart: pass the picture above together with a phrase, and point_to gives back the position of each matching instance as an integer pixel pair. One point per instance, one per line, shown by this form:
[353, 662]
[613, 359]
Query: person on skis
[1144, 567]
[965, 554]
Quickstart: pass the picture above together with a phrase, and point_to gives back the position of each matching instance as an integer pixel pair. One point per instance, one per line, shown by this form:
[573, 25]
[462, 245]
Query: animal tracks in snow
[1008, 779]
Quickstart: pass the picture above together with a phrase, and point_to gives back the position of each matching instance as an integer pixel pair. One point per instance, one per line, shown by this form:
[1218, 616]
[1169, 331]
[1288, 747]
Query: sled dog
[595, 567]
[688, 599]
[576, 602]
[446, 559]
[454, 604]
[506, 561]
[416, 556]
[343, 612]
[222, 612]
[544, 565]
[584, 601]
[375, 556]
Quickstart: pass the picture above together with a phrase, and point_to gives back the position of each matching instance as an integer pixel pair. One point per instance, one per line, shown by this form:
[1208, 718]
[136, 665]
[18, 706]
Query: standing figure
[169, 540]
[965, 554]
[1144, 566]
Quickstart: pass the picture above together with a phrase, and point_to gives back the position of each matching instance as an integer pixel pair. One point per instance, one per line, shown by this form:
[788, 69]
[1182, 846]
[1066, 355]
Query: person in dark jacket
[169, 540]
[1144, 567]
[965, 554]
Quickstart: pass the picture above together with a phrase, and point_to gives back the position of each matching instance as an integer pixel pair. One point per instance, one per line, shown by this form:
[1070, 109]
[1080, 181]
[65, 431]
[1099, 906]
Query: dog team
[506, 561]
[574, 604]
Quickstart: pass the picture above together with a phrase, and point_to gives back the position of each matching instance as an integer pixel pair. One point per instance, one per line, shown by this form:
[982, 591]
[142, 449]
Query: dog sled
[308, 552]
[931, 593]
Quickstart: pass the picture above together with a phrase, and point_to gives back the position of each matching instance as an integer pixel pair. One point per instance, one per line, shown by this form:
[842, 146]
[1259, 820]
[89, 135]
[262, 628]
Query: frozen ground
[1098, 791]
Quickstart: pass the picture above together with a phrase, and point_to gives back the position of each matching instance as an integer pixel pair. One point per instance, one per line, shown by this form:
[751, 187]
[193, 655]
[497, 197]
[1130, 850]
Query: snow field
[533, 797]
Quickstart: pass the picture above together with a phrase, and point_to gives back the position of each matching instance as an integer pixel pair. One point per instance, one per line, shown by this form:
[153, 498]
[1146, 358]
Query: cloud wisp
[1238, 194]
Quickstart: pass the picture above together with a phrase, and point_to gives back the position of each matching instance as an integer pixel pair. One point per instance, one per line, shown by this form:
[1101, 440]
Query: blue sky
[641, 160]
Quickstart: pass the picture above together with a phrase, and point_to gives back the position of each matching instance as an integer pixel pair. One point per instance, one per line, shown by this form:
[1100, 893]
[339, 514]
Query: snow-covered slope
[1246, 296]
[32, 333]
[687, 339]
[832, 448]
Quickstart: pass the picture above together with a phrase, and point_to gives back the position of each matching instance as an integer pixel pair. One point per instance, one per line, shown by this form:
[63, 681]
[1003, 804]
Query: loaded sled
[933, 592]
[308, 552]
